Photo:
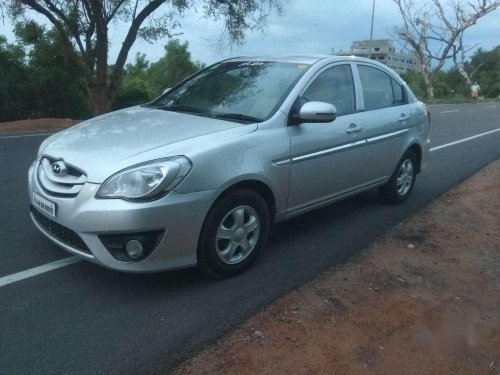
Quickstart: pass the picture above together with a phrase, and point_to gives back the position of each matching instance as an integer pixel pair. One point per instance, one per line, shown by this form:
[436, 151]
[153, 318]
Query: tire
[222, 249]
[395, 192]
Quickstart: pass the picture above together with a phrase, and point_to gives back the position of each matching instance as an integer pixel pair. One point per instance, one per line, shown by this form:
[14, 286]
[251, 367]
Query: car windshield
[244, 91]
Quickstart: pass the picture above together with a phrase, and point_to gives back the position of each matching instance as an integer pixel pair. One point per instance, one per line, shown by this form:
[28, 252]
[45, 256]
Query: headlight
[146, 181]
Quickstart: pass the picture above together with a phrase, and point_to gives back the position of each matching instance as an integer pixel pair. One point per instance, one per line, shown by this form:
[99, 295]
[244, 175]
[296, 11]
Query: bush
[132, 92]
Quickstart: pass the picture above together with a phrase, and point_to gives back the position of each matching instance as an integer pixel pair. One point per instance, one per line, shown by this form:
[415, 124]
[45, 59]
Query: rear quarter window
[398, 92]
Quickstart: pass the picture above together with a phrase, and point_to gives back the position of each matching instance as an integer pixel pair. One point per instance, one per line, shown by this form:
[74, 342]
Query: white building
[383, 51]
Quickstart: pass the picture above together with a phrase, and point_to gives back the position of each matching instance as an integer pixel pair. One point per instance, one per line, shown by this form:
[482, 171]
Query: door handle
[403, 118]
[353, 128]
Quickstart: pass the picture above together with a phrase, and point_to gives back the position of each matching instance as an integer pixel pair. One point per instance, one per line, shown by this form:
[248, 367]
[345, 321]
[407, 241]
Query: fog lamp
[131, 247]
[134, 249]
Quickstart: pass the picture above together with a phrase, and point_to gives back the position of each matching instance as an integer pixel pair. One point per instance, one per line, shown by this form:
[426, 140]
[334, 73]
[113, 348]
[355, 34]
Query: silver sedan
[199, 175]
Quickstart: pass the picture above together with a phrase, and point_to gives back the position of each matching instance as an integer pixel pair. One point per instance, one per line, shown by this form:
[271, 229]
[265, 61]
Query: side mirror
[166, 90]
[317, 112]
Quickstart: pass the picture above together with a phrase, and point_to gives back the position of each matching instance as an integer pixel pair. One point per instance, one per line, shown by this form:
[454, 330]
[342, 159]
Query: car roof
[300, 59]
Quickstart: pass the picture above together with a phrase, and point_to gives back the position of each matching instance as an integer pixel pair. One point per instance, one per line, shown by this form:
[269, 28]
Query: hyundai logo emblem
[58, 167]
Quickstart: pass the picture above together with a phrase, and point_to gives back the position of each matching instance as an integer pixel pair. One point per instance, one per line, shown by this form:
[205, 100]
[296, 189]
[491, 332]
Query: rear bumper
[181, 216]
[425, 154]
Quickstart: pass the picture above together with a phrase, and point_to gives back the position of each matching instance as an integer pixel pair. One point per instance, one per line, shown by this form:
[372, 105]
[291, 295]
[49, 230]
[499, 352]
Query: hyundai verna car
[199, 175]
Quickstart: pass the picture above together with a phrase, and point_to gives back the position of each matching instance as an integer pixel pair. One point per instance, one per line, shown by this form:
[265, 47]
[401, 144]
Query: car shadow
[286, 236]
[323, 217]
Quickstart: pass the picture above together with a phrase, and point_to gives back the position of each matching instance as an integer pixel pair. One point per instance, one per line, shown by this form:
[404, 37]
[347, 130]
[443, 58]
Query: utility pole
[373, 16]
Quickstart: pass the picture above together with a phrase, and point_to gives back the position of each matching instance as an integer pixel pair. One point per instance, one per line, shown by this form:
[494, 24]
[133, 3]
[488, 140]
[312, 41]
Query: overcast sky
[308, 26]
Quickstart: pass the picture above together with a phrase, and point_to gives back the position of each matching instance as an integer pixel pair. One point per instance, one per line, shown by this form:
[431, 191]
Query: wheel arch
[417, 150]
[259, 187]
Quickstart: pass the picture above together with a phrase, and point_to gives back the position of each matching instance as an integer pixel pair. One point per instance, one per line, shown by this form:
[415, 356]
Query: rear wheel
[234, 233]
[401, 184]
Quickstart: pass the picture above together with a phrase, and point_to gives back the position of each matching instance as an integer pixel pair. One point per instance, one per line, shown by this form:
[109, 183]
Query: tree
[136, 87]
[54, 87]
[488, 73]
[459, 59]
[132, 92]
[83, 26]
[142, 81]
[174, 67]
[12, 88]
[432, 29]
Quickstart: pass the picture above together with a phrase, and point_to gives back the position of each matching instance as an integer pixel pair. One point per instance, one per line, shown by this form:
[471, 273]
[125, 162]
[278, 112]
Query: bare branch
[435, 31]
[130, 39]
[65, 37]
[112, 13]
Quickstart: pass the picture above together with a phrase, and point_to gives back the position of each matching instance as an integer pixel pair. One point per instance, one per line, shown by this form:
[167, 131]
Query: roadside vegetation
[58, 66]
[81, 30]
[434, 31]
[451, 87]
[38, 82]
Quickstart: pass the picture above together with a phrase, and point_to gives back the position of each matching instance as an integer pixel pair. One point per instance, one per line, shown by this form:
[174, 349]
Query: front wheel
[234, 233]
[399, 187]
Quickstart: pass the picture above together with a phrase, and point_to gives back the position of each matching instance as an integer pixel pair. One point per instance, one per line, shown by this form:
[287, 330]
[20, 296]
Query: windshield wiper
[237, 116]
[182, 108]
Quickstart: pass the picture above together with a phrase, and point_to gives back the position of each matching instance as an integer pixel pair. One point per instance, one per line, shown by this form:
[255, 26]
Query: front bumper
[181, 216]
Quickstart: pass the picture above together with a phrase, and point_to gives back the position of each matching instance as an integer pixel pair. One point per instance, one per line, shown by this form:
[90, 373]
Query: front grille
[63, 234]
[67, 182]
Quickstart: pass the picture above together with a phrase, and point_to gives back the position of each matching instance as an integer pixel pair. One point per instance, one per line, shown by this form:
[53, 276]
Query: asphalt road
[83, 319]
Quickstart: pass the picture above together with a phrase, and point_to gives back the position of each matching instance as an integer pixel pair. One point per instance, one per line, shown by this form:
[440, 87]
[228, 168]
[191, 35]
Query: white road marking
[450, 111]
[464, 140]
[74, 259]
[38, 270]
[25, 135]
[490, 106]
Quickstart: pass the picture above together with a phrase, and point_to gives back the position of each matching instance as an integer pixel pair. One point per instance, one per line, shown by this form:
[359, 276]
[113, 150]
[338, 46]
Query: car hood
[109, 143]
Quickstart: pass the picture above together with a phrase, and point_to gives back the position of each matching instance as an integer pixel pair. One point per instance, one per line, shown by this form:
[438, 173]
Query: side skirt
[335, 198]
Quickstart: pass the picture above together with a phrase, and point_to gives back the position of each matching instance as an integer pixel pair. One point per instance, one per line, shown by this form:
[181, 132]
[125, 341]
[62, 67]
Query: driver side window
[335, 86]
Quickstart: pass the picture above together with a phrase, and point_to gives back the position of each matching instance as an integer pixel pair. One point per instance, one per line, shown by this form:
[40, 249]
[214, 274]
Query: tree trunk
[100, 98]
[462, 71]
[429, 85]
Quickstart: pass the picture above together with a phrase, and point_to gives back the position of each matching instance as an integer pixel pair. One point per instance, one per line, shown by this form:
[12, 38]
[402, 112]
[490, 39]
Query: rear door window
[379, 89]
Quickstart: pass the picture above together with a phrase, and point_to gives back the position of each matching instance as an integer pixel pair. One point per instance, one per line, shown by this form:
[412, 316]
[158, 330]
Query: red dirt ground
[424, 299]
[35, 125]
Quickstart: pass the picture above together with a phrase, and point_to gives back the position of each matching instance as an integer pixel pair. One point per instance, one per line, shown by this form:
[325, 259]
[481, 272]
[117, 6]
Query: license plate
[45, 205]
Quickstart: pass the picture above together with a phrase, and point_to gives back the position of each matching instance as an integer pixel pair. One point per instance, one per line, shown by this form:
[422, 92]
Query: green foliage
[55, 86]
[441, 86]
[456, 83]
[488, 73]
[172, 68]
[416, 83]
[133, 91]
[83, 29]
[142, 81]
[12, 84]
[38, 81]
[450, 85]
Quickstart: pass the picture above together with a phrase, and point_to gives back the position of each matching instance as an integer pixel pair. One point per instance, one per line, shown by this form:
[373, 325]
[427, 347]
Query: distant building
[383, 51]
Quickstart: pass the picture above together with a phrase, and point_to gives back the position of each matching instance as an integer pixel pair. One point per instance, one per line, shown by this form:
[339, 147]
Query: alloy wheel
[405, 177]
[237, 234]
